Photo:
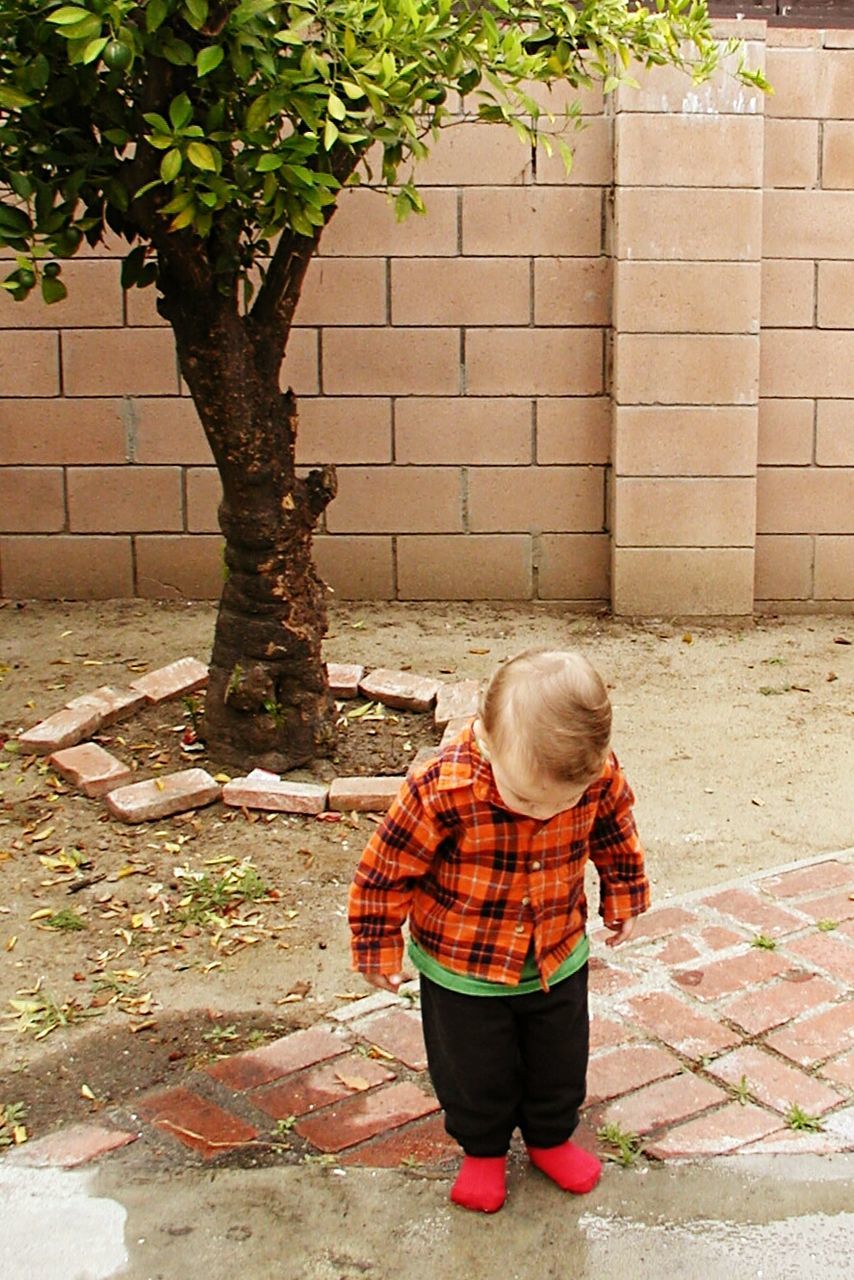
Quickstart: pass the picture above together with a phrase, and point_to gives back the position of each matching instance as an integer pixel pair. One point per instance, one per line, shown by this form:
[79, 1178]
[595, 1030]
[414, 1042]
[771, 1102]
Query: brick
[804, 499]
[196, 1122]
[470, 430]
[793, 1142]
[749, 908]
[692, 581]
[63, 729]
[662, 922]
[356, 568]
[116, 362]
[111, 704]
[809, 880]
[759, 1011]
[715, 1134]
[810, 83]
[374, 361]
[91, 768]
[688, 1030]
[471, 291]
[536, 499]
[469, 154]
[363, 795]
[718, 939]
[301, 365]
[668, 89]
[807, 224]
[94, 301]
[834, 434]
[342, 430]
[658, 150]
[834, 568]
[605, 1033]
[283, 1057]
[68, 1148]
[398, 1032]
[457, 700]
[833, 906]
[401, 689]
[364, 226]
[786, 429]
[263, 790]
[812, 1039]
[29, 363]
[841, 1070]
[179, 567]
[61, 432]
[204, 494]
[537, 362]
[784, 567]
[687, 297]
[368, 1004]
[788, 293]
[343, 678]
[685, 224]
[665, 1102]
[183, 676]
[592, 149]
[60, 568]
[320, 1086]
[713, 369]
[724, 977]
[837, 160]
[572, 430]
[791, 153]
[685, 441]
[559, 95]
[548, 221]
[346, 291]
[572, 291]
[605, 980]
[774, 1083]
[424, 1143]
[464, 568]
[160, 797]
[835, 283]
[573, 566]
[677, 951]
[363, 1117]
[626, 1069]
[396, 499]
[684, 512]
[32, 500]
[124, 499]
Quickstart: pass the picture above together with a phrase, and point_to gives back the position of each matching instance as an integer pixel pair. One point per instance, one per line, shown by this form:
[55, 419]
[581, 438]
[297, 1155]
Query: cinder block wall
[466, 374]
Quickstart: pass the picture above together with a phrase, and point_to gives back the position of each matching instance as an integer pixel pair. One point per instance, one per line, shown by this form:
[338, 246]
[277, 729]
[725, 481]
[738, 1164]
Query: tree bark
[268, 702]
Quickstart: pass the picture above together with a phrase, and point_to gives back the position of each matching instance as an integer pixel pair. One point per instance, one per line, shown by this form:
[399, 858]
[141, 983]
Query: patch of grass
[13, 1131]
[284, 1126]
[741, 1091]
[827, 926]
[801, 1121]
[770, 691]
[763, 942]
[39, 1013]
[626, 1146]
[206, 896]
[773, 662]
[221, 1035]
[66, 921]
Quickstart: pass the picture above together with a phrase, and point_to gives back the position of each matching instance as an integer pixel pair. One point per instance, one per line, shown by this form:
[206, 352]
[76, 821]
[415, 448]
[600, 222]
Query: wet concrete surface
[740, 1218]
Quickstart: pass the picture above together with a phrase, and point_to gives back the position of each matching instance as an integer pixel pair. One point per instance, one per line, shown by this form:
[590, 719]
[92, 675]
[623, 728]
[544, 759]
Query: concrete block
[179, 677]
[91, 768]
[65, 729]
[263, 790]
[112, 704]
[371, 795]
[160, 797]
[400, 689]
[344, 678]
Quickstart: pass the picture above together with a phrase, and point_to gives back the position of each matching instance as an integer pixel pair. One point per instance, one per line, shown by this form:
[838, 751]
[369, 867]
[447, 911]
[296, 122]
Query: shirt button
[526, 902]
[535, 866]
[520, 928]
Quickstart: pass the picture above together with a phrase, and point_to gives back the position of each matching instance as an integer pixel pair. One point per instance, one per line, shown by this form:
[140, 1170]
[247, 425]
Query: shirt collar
[463, 765]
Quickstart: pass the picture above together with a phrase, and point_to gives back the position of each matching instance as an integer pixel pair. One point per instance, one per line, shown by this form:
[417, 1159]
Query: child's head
[546, 718]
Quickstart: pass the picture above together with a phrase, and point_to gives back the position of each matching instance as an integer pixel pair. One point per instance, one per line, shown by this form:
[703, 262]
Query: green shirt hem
[469, 986]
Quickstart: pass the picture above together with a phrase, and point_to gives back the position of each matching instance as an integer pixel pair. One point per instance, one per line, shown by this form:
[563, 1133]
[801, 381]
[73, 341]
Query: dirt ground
[134, 952]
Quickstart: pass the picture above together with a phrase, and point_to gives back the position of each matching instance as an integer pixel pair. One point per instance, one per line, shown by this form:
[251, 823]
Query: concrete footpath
[721, 1094]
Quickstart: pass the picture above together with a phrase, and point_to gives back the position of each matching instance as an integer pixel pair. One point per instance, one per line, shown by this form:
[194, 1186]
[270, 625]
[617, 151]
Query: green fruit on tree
[117, 55]
[51, 270]
[26, 278]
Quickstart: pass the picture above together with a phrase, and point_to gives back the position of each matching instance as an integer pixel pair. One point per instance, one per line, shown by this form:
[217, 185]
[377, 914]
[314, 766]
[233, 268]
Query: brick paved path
[727, 1010]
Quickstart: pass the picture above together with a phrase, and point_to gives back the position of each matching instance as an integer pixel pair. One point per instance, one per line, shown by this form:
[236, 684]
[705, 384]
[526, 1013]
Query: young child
[484, 851]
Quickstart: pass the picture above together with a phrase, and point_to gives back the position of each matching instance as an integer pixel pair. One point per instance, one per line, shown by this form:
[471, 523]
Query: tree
[215, 136]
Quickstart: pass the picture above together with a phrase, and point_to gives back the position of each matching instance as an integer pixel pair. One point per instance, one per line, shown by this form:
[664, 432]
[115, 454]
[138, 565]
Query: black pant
[498, 1062]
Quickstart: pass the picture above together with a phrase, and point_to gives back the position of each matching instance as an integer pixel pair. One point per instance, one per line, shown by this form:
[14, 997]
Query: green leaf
[180, 111]
[208, 59]
[94, 49]
[268, 163]
[155, 12]
[170, 165]
[201, 156]
[330, 135]
[13, 99]
[68, 15]
[53, 290]
[336, 107]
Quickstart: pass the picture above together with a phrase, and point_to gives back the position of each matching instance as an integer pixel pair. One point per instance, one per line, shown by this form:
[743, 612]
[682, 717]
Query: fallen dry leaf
[357, 1083]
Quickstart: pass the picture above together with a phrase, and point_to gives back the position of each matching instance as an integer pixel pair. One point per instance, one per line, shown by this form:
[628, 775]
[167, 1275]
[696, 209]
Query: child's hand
[387, 981]
[621, 931]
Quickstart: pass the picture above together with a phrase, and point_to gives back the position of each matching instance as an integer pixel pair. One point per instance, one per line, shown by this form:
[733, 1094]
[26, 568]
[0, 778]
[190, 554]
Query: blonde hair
[551, 708]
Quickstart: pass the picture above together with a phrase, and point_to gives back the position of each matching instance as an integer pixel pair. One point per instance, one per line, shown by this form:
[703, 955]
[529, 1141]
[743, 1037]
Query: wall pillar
[687, 247]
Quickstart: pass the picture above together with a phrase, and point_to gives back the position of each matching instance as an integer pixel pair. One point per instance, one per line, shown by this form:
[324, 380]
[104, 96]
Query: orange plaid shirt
[480, 884]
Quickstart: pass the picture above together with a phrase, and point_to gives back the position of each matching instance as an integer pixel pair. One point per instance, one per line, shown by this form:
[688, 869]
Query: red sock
[481, 1183]
[572, 1168]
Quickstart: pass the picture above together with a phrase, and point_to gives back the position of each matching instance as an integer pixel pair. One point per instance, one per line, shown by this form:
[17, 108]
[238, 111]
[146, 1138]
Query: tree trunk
[268, 702]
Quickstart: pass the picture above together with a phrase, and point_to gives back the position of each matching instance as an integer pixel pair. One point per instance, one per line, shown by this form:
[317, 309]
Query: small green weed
[763, 942]
[741, 1091]
[40, 1013]
[773, 662]
[66, 921]
[827, 926]
[799, 1120]
[284, 1126]
[771, 691]
[627, 1146]
[206, 896]
[221, 1035]
[13, 1131]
